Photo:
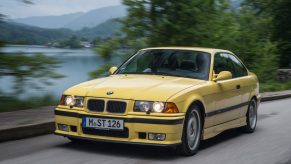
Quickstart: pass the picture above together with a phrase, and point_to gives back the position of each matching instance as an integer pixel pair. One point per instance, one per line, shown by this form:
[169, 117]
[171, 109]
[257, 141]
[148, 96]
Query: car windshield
[181, 63]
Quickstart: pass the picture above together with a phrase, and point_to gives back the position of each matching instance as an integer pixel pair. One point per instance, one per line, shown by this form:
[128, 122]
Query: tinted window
[238, 69]
[221, 63]
[227, 62]
[183, 63]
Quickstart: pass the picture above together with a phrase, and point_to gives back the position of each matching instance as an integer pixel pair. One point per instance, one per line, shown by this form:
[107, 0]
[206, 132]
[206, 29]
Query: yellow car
[166, 96]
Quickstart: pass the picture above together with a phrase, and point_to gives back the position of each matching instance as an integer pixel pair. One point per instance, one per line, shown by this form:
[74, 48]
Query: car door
[227, 92]
[241, 73]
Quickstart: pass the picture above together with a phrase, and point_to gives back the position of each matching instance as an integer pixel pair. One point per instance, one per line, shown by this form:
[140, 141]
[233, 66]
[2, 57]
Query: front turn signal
[62, 101]
[171, 108]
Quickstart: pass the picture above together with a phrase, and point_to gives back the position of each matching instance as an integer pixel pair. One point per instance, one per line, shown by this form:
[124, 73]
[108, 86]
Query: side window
[221, 63]
[228, 62]
[238, 68]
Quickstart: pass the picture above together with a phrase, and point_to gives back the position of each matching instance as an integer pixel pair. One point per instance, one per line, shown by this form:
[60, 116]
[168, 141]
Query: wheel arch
[201, 107]
[254, 97]
[254, 94]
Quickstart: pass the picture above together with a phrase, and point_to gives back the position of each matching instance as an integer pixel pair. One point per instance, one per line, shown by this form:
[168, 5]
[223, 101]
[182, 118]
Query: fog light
[63, 127]
[157, 136]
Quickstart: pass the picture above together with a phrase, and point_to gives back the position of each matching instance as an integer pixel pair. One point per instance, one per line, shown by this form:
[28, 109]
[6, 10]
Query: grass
[8, 104]
[272, 86]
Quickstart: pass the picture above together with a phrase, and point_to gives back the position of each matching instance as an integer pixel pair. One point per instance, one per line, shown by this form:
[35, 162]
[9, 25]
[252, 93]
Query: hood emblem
[109, 93]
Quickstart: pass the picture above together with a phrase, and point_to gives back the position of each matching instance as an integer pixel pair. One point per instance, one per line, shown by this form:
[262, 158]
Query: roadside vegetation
[24, 69]
[258, 31]
[9, 104]
[274, 86]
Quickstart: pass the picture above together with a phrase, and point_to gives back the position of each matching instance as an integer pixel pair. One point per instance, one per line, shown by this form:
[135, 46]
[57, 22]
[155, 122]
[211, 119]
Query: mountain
[75, 21]
[97, 16]
[17, 33]
[103, 30]
[49, 21]
[23, 34]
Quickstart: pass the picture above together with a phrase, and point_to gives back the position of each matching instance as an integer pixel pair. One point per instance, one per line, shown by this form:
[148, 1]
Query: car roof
[209, 50]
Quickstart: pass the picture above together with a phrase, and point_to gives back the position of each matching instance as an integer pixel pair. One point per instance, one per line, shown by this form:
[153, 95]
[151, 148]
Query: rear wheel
[191, 132]
[252, 117]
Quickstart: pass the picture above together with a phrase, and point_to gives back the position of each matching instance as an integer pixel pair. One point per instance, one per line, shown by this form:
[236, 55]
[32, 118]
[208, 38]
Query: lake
[76, 63]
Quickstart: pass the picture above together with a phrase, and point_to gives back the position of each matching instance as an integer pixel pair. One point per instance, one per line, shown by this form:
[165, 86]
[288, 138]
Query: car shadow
[120, 149]
[221, 138]
[144, 152]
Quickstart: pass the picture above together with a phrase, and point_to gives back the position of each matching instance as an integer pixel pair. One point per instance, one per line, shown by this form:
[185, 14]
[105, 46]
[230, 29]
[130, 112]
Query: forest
[258, 31]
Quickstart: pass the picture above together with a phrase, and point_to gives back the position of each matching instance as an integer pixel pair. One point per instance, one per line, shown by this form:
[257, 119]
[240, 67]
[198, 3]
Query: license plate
[102, 123]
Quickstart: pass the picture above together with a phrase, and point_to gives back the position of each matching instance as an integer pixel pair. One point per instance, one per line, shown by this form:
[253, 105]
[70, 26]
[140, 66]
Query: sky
[17, 9]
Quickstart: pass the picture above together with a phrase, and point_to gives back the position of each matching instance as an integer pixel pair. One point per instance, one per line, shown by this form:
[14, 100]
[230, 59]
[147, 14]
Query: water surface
[76, 63]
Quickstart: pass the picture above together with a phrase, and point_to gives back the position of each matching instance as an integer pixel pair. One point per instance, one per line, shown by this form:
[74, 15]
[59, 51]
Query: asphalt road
[270, 144]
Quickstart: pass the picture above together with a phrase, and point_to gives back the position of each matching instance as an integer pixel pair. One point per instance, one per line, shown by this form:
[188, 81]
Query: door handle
[238, 86]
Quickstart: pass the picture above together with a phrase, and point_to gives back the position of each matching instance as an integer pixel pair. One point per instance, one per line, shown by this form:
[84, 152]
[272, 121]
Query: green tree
[152, 23]
[247, 31]
[23, 68]
[252, 40]
[74, 42]
[281, 11]
[97, 41]
[279, 14]
[173, 23]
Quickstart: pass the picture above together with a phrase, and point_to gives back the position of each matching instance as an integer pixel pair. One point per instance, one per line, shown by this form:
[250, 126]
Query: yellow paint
[214, 95]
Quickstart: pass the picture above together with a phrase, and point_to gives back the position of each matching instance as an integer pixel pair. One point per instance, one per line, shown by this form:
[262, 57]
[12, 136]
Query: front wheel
[252, 117]
[191, 132]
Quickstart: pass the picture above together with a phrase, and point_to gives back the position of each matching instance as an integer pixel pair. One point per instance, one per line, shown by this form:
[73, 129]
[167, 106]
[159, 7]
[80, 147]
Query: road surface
[270, 144]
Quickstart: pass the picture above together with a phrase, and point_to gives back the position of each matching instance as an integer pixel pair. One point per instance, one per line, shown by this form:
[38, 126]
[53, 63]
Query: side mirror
[112, 70]
[223, 75]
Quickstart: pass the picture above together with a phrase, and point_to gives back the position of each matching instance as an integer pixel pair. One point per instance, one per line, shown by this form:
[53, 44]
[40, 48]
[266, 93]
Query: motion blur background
[47, 46]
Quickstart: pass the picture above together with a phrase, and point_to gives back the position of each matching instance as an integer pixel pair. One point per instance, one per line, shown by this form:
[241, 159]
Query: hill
[95, 17]
[49, 21]
[76, 21]
[103, 30]
[23, 34]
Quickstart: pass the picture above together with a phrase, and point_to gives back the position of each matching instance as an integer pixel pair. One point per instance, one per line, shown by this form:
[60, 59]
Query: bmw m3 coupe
[165, 96]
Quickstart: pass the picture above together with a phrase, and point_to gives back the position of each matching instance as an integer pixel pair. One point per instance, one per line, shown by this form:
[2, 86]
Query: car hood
[135, 87]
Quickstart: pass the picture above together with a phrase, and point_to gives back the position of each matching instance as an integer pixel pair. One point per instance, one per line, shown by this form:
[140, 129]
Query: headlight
[72, 101]
[155, 106]
[79, 101]
[158, 106]
[143, 106]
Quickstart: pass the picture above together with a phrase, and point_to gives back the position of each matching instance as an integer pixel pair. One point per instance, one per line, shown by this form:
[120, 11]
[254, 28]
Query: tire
[252, 117]
[191, 132]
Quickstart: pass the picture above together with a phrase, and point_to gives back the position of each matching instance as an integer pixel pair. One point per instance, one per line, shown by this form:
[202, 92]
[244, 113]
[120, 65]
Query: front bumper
[172, 126]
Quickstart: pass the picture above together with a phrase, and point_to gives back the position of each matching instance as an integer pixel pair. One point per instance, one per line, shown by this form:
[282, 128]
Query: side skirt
[217, 129]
